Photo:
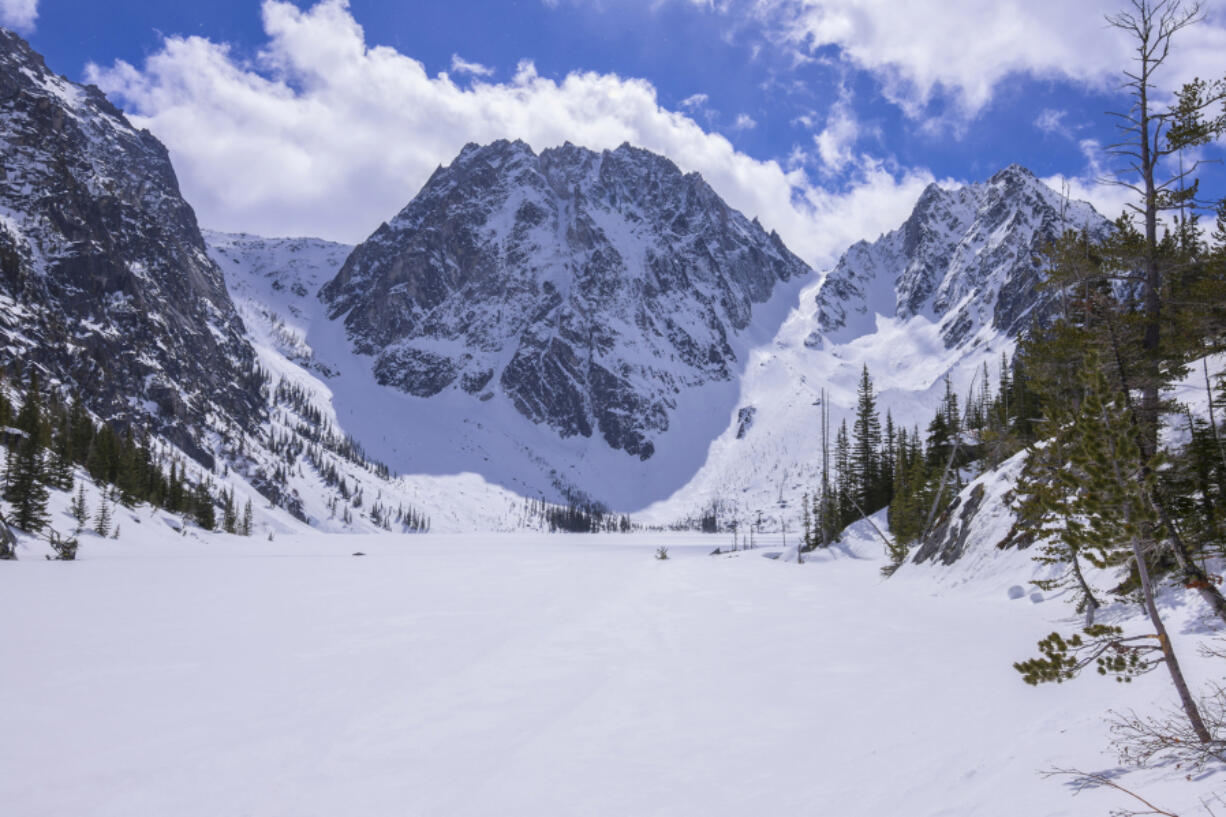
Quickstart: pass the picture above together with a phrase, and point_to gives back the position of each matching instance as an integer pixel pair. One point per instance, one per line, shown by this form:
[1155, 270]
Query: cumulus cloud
[977, 43]
[19, 14]
[323, 135]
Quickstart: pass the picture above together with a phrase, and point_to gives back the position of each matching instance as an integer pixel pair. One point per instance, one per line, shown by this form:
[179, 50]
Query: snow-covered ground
[527, 674]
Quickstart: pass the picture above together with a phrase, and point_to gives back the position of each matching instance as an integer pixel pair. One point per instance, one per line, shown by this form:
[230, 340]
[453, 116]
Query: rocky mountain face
[966, 258]
[104, 278]
[588, 288]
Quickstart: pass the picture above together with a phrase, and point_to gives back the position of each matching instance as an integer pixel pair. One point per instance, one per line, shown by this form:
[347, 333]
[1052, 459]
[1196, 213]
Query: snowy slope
[452, 433]
[945, 294]
[273, 283]
[762, 471]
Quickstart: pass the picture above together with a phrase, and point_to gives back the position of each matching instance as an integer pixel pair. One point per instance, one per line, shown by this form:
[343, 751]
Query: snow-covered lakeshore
[535, 675]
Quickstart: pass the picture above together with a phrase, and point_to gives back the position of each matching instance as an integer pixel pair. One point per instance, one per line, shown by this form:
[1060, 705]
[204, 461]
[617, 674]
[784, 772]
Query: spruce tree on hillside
[229, 515]
[176, 497]
[30, 418]
[78, 507]
[206, 516]
[102, 519]
[866, 443]
[25, 489]
[60, 469]
[1149, 136]
[844, 489]
[1104, 500]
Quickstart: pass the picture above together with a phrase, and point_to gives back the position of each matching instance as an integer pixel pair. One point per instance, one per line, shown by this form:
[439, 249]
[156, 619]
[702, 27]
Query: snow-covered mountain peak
[588, 289]
[967, 258]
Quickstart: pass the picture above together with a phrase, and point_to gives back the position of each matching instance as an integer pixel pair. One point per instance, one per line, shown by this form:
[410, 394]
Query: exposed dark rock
[588, 288]
[104, 279]
[967, 258]
[744, 420]
[947, 539]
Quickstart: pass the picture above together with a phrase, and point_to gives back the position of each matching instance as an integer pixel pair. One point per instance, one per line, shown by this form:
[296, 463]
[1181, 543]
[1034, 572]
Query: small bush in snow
[65, 549]
[661, 553]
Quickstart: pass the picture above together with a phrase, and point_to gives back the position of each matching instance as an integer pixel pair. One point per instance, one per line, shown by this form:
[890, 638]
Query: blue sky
[823, 117]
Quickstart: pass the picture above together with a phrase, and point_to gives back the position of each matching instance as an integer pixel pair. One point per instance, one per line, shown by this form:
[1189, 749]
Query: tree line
[47, 437]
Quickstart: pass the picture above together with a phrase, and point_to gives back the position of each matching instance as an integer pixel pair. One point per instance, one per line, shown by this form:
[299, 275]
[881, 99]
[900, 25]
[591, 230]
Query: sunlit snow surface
[538, 675]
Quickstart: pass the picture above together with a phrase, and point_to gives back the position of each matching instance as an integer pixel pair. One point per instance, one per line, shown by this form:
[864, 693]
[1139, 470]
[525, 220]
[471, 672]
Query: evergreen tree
[59, 472]
[940, 443]
[78, 507]
[30, 418]
[844, 480]
[102, 520]
[205, 513]
[81, 428]
[176, 500]
[866, 442]
[1104, 502]
[245, 527]
[25, 489]
[889, 457]
[229, 516]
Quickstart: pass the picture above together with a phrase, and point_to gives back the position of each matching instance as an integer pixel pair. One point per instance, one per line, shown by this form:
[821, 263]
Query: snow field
[525, 674]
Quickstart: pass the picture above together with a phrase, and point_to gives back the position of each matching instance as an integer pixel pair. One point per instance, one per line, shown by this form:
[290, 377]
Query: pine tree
[25, 488]
[844, 484]
[81, 429]
[866, 441]
[78, 508]
[59, 473]
[245, 528]
[1105, 502]
[229, 516]
[889, 456]
[206, 516]
[940, 443]
[25, 473]
[102, 520]
[175, 497]
[30, 418]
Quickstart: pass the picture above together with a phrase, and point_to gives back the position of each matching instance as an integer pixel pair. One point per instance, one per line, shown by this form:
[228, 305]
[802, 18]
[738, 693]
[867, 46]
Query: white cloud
[744, 122]
[459, 65]
[837, 140]
[19, 14]
[696, 102]
[967, 47]
[325, 136]
[1051, 122]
